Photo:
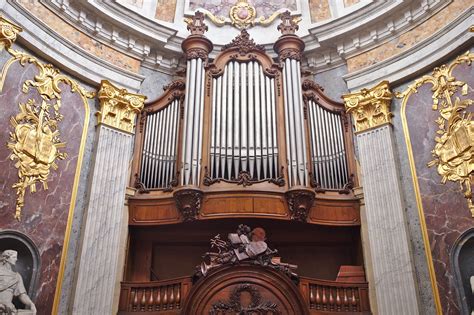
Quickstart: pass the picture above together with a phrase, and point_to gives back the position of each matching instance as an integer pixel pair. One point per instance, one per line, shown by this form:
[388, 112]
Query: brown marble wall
[319, 10]
[45, 213]
[80, 39]
[409, 38]
[446, 212]
[165, 10]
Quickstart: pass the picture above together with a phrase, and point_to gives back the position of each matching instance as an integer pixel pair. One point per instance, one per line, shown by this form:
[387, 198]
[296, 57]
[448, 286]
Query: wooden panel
[153, 212]
[244, 204]
[335, 212]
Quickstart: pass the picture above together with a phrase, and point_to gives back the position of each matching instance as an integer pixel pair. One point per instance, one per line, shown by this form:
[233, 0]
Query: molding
[47, 44]
[157, 43]
[419, 58]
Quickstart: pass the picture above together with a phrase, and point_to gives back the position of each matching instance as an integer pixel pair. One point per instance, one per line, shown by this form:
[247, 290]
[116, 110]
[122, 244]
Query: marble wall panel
[319, 10]
[445, 209]
[165, 10]
[45, 213]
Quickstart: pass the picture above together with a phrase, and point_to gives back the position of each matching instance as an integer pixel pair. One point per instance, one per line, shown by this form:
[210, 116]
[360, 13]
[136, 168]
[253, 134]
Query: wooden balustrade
[335, 297]
[154, 296]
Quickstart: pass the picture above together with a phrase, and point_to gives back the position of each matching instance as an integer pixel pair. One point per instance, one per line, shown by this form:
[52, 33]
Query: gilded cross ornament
[118, 107]
[453, 152]
[370, 107]
[35, 141]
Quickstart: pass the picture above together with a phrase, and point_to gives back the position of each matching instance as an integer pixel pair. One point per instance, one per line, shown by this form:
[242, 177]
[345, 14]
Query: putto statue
[11, 285]
[245, 245]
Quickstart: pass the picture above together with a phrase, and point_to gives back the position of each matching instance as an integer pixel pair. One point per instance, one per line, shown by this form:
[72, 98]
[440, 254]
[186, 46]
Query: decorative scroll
[370, 107]
[234, 304]
[35, 138]
[453, 152]
[245, 245]
[243, 15]
[244, 179]
[118, 107]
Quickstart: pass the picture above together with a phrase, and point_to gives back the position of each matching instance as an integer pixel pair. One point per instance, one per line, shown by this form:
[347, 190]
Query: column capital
[8, 33]
[118, 107]
[370, 107]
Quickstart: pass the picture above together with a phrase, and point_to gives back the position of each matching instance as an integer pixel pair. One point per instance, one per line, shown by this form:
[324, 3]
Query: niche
[463, 262]
[28, 263]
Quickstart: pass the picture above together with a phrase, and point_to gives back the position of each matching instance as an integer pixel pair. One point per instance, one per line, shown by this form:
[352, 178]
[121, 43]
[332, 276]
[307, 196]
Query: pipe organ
[243, 127]
[244, 119]
[245, 136]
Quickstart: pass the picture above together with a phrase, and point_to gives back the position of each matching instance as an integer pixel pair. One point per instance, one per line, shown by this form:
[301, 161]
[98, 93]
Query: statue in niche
[11, 285]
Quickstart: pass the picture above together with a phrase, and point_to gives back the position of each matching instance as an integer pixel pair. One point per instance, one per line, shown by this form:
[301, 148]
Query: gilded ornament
[118, 107]
[453, 151]
[370, 107]
[8, 33]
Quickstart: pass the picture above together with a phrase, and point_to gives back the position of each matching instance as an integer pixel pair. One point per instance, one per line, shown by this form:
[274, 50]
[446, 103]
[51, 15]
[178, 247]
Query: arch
[462, 260]
[28, 263]
[224, 286]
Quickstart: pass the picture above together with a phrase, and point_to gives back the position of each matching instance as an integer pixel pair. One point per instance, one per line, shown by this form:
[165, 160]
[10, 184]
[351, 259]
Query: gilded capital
[370, 107]
[8, 33]
[118, 107]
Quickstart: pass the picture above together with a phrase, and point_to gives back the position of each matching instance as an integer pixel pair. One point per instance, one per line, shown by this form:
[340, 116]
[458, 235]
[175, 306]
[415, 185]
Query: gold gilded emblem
[453, 152]
[35, 146]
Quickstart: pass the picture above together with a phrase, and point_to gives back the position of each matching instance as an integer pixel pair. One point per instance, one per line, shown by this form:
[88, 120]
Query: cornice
[328, 44]
[419, 58]
[51, 46]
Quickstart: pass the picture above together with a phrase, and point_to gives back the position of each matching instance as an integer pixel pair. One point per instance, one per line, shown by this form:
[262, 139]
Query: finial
[288, 25]
[196, 24]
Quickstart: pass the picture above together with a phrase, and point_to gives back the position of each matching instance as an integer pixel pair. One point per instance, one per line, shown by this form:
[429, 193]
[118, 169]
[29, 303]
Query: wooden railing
[335, 297]
[154, 296]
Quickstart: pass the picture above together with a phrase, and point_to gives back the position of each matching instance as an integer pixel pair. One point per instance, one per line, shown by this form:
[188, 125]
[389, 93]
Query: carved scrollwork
[453, 151]
[195, 53]
[234, 304]
[244, 178]
[291, 53]
[243, 43]
[8, 33]
[188, 202]
[300, 202]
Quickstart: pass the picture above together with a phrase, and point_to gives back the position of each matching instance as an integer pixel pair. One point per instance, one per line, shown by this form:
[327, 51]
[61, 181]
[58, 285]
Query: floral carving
[243, 43]
[234, 304]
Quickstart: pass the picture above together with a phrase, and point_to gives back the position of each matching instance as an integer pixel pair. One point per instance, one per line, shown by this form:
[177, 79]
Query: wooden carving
[234, 304]
[299, 203]
[188, 202]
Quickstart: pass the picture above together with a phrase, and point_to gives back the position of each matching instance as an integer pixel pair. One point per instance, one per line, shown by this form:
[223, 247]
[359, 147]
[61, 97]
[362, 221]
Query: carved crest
[244, 43]
[234, 304]
[245, 245]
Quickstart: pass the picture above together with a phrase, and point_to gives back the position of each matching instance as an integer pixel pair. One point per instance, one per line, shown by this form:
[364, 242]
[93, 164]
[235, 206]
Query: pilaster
[393, 272]
[100, 256]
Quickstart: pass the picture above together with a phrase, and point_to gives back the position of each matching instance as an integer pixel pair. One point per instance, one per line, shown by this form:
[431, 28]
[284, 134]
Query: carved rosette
[118, 107]
[300, 202]
[8, 33]
[370, 107]
[188, 202]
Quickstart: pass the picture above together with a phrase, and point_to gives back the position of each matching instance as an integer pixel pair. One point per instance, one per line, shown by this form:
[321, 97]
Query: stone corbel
[118, 107]
[370, 107]
[300, 202]
[8, 33]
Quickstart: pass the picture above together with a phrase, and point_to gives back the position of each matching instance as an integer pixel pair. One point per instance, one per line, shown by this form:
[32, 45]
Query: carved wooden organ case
[242, 136]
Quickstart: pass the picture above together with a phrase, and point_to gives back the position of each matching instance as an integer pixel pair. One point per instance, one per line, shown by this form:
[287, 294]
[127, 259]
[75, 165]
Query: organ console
[242, 136]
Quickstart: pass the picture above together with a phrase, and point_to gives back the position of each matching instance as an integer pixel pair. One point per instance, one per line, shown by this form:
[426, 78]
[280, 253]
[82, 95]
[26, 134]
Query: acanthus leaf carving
[243, 43]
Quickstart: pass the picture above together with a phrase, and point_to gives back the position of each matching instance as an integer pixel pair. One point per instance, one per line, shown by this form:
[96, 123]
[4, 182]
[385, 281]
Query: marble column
[100, 257]
[386, 227]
